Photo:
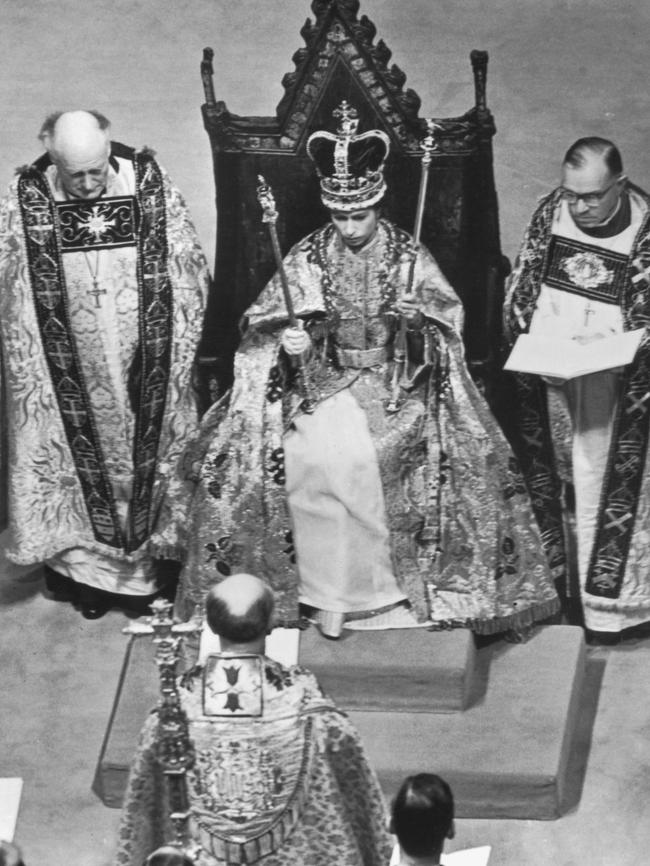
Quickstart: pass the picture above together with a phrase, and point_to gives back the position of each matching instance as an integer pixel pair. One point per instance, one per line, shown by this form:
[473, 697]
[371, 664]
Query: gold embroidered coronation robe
[453, 518]
[101, 305]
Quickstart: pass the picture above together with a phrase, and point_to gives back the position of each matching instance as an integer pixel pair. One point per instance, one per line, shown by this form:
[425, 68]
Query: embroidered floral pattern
[289, 549]
[276, 465]
[509, 561]
[274, 386]
[587, 270]
[221, 553]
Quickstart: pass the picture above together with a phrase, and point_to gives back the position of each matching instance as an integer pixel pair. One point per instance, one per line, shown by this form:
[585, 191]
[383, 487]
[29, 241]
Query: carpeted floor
[58, 682]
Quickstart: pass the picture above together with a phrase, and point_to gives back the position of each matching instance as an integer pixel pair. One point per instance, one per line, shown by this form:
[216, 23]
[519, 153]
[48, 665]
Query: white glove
[296, 342]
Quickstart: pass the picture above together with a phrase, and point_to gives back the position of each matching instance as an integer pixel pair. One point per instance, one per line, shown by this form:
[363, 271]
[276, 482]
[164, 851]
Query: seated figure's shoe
[398, 616]
[330, 623]
[61, 587]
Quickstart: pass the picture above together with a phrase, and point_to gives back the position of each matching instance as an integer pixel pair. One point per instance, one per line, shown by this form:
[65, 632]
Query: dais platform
[507, 755]
[504, 750]
[412, 669]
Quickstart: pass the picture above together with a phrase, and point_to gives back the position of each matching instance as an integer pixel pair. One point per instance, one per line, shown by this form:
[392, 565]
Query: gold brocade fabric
[48, 509]
[615, 555]
[464, 544]
[289, 788]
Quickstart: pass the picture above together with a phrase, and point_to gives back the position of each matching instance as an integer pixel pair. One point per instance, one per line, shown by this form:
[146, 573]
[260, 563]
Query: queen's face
[356, 227]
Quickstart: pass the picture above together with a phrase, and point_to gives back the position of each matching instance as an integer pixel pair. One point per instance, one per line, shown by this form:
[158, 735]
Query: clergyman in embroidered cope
[279, 777]
[101, 304]
[581, 277]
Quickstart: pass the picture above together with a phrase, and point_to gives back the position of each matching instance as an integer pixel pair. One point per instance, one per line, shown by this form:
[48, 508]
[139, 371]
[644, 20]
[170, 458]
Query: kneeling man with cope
[279, 774]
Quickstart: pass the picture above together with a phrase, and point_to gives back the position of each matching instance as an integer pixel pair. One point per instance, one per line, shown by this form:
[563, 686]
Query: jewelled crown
[350, 166]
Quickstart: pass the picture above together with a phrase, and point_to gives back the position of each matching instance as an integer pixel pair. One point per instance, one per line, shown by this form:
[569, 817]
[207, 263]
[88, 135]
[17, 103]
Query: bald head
[240, 609]
[78, 143]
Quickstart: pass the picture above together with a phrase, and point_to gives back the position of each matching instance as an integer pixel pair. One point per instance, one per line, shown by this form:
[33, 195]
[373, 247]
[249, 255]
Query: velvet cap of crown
[350, 166]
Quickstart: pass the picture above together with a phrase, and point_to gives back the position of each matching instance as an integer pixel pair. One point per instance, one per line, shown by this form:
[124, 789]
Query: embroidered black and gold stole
[52, 228]
[629, 280]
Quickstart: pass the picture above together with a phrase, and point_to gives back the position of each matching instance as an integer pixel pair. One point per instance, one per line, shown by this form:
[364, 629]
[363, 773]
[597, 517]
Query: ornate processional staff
[270, 217]
[174, 749]
[401, 379]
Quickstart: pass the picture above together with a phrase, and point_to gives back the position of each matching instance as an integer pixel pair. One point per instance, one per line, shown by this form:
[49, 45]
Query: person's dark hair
[422, 813]
[577, 154]
[168, 856]
[249, 626]
[47, 129]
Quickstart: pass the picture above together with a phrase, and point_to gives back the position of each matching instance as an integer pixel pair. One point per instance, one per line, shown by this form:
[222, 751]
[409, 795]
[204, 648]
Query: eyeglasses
[590, 199]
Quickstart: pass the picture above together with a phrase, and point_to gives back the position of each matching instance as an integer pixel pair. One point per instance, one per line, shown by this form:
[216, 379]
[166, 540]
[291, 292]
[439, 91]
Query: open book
[562, 358]
[467, 857]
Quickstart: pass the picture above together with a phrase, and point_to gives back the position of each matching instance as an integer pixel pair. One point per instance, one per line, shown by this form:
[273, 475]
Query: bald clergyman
[278, 777]
[102, 287]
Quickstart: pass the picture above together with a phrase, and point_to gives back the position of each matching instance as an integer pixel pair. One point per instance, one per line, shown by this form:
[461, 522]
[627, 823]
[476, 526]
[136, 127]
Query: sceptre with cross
[175, 750]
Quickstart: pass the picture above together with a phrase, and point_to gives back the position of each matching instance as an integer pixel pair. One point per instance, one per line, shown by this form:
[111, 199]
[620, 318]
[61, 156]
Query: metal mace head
[428, 146]
[429, 143]
[267, 201]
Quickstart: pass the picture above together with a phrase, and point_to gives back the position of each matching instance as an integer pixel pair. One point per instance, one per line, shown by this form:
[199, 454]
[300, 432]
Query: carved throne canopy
[341, 60]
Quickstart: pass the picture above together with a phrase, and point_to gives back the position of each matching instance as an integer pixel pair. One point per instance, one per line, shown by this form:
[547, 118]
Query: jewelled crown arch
[342, 60]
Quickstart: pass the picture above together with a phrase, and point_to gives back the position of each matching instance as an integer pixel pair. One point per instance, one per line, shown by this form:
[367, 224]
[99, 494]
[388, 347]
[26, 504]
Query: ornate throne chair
[341, 60]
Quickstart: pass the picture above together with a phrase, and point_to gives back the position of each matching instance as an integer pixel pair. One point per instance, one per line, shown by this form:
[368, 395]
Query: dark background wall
[558, 69]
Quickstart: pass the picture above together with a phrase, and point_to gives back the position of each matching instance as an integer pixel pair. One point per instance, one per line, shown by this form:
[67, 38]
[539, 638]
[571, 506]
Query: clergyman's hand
[296, 342]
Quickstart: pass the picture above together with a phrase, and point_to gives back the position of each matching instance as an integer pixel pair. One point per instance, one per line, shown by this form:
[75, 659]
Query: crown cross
[349, 119]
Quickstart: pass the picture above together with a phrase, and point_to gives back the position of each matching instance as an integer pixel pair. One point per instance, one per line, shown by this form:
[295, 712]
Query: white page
[562, 358]
[468, 857]
[10, 793]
